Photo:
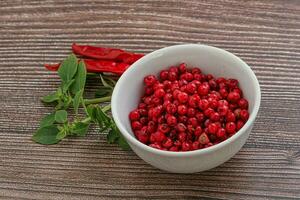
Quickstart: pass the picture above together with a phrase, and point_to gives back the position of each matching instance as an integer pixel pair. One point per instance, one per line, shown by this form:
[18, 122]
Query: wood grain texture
[266, 34]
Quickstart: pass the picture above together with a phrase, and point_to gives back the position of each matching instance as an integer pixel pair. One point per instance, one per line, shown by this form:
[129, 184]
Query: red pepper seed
[189, 76]
[159, 93]
[193, 121]
[203, 89]
[221, 133]
[233, 97]
[191, 88]
[182, 119]
[212, 128]
[222, 110]
[159, 136]
[203, 104]
[156, 146]
[142, 137]
[203, 139]
[191, 112]
[215, 117]
[197, 77]
[173, 69]
[182, 110]
[230, 127]
[172, 76]
[183, 97]
[198, 131]
[171, 108]
[209, 76]
[174, 148]
[164, 74]
[195, 145]
[230, 117]
[185, 146]
[149, 80]
[239, 124]
[196, 71]
[182, 136]
[168, 143]
[243, 103]
[134, 115]
[244, 115]
[172, 120]
[136, 125]
[164, 128]
[182, 68]
[181, 127]
[143, 120]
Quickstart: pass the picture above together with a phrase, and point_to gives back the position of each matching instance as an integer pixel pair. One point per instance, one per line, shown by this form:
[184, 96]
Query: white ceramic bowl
[211, 60]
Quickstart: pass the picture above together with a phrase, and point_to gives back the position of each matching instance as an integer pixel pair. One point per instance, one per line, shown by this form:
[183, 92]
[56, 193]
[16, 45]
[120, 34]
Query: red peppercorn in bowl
[186, 108]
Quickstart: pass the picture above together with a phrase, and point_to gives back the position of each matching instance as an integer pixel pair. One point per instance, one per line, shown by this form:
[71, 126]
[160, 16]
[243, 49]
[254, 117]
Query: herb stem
[84, 106]
[91, 74]
[97, 100]
[106, 108]
[86, 120]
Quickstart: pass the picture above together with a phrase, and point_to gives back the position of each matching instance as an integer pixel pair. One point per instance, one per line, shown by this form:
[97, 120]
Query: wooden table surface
[266, 34]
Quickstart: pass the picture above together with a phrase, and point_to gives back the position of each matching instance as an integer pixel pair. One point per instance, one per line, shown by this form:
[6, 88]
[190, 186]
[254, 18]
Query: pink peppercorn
[230, 127]
[185, 146]
[186, 110]
[134, 115]
[182, 110]
[183, 97]
[150, 80]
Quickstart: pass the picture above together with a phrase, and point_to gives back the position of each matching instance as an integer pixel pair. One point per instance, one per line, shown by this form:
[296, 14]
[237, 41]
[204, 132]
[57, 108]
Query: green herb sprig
[70, 94]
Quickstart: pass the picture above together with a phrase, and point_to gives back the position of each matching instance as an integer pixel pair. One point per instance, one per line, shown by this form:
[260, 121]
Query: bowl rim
[145, 59]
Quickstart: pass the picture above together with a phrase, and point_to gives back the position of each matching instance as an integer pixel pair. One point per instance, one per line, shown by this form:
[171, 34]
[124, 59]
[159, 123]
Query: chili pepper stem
[97, 100]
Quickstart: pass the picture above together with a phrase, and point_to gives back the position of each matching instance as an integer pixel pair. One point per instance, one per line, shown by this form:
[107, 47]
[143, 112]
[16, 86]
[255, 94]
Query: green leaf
[80, 128]
[48, 120]
[97, 115]
[103, 92]
[112, 136]
[123, 143]
[60, 105]
[102, 118]
[109, 80]
[105, 122]
[61, 116]
[92, 111]
[64, 103]
[66, 86]
[68, 68]
[67, 102]
[46, 135]
[105, 84]
[51, 98]
[80, 78]
[61, 134]
[76, 100]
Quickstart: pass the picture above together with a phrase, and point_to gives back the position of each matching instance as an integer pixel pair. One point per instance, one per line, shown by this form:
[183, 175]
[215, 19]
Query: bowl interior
[209, 59]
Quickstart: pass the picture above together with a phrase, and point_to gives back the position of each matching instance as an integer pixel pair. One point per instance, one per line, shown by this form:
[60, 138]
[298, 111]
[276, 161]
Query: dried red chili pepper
[105, 66]
[129, 58]
[97, 66]
[118, 55]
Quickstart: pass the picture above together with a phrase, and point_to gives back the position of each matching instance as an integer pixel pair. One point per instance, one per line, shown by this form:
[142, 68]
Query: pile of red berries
[186, 110]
